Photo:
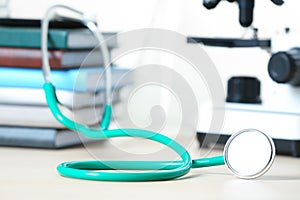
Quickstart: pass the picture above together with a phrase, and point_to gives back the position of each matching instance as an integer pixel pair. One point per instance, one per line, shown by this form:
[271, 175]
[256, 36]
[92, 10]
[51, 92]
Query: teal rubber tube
[208, 162]
[158, 170]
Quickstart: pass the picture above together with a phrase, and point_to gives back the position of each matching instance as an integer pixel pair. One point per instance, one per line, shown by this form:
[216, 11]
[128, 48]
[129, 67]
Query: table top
[31, 174]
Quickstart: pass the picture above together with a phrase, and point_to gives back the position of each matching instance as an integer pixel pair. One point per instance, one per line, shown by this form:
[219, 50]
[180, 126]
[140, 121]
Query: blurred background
[188, 18]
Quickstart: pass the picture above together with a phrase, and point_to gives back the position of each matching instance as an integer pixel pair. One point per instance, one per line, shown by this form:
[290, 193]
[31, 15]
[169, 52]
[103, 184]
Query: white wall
[184, 16]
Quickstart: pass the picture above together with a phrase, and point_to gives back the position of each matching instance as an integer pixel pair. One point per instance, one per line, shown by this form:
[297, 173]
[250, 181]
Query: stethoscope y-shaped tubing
[160, 170]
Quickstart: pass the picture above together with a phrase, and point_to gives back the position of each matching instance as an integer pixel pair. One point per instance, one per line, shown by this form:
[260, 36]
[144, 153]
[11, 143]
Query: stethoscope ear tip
[249, 153]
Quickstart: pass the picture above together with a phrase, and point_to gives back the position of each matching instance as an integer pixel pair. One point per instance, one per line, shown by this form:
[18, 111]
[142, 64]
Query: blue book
[78, 80]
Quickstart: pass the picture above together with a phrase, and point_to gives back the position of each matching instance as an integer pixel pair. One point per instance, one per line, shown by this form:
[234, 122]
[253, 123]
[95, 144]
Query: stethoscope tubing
[101, 170]
[160, 170]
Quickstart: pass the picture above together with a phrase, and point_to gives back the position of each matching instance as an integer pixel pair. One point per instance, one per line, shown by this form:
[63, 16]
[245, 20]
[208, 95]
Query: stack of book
[25, 119]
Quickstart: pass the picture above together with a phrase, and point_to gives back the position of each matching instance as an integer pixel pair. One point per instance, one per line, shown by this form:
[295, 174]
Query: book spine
[32, 137]
[77, 80]
[36, 97]
[24, 37]
[27, 137]
[31, 37]
[21, 22]
[31, 58]
[33, 78]
[72, 80]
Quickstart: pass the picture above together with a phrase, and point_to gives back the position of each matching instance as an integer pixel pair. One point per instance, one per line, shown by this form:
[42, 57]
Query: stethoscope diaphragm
[249, 153]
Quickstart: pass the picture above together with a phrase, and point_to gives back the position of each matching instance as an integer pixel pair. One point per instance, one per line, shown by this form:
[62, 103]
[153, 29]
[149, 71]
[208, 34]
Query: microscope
[271, 104]
[245, 9]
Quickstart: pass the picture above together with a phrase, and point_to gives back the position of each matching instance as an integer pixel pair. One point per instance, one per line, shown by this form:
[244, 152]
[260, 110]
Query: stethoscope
[247, 154]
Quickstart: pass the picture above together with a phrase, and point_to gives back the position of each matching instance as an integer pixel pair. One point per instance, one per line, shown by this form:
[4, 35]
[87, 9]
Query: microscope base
[283, 147]
[282, 124]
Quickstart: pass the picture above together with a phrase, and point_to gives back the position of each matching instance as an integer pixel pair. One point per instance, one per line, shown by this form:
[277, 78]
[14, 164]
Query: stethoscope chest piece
[249, 153]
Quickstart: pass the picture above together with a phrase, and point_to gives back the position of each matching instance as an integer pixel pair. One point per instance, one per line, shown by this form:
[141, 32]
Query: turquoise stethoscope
[247, 154]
